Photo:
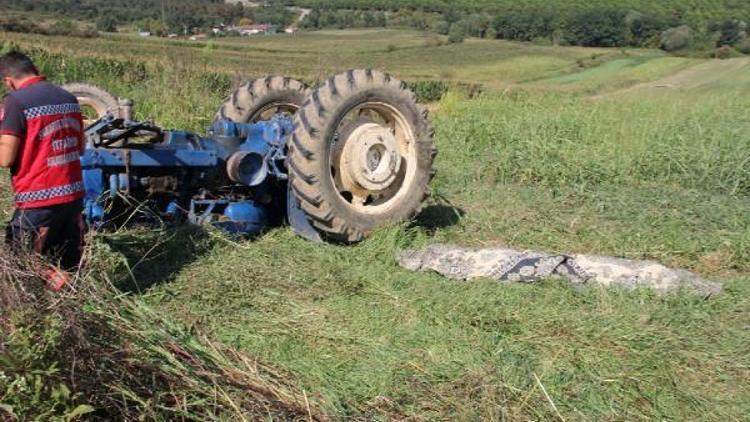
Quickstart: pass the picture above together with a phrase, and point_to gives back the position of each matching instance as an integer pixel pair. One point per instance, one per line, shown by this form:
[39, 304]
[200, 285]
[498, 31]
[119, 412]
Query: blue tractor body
[234, 178]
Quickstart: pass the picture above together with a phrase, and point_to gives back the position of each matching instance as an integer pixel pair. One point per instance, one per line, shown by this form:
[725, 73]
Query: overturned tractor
[335, 162]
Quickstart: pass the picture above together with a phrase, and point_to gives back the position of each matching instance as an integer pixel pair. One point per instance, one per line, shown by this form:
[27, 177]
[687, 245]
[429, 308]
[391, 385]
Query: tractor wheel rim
[99, 109]
[371, 158]
[268, 111]
[374, 160]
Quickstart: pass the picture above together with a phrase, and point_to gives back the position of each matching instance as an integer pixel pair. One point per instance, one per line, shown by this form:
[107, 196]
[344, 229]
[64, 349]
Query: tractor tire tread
[251, 97]
[309, 152]
[97, 98]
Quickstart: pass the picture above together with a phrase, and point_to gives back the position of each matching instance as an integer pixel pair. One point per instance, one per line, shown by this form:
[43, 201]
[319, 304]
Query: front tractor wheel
[261, 99]
[361, 155]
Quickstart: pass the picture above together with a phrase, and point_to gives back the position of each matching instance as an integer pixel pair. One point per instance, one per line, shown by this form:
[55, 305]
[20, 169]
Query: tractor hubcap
[370, 158]
[373, 157]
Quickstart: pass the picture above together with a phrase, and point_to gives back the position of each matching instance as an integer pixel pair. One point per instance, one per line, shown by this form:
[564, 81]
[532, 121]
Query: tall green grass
[694, 141]
[314, 56]
[662, 175]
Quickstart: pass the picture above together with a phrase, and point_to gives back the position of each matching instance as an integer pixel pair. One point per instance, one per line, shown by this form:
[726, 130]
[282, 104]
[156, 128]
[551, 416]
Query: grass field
[631, 154]
[410, 54]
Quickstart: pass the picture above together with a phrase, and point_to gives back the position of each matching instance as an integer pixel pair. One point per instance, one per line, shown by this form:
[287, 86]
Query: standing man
[41, 140]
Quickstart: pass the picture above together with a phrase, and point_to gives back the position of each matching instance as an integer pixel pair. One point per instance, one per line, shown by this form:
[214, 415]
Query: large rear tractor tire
[361, 155]
[261, 99]
[95, 102]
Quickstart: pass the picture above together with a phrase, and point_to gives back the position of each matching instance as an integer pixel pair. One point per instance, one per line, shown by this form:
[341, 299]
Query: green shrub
[730, 32]
[457, 33]
[429, 90]
[477, 25]
[442, 27]
[29, 370]
[645, 30]
[597, 28]
[470, 90]
[491, 33]
[726, 52]
[155, 26]
[106, 24]
[63, 27]
[526, 25]
[743, 46]
[676, 39]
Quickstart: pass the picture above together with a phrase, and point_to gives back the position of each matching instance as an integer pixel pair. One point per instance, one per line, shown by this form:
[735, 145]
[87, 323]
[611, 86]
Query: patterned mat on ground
[509, 265]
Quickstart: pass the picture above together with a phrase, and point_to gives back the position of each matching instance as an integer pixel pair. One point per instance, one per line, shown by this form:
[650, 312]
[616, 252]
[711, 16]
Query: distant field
[409, 54]
[633, 154]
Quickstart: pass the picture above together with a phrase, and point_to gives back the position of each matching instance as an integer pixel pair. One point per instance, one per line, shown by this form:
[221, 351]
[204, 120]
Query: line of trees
[320, 18]
[694, 12]
[60, 27]
[592, 27]
[165, 15]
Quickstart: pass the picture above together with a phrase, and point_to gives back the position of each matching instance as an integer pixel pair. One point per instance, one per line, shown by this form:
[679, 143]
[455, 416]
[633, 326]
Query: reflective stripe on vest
[44, 194]
[48, 110]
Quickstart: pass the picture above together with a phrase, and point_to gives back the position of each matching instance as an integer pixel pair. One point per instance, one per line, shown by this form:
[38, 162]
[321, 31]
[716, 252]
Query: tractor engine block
[232, 178]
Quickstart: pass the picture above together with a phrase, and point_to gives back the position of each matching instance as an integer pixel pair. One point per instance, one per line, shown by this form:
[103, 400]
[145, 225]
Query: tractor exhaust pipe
[247, 167]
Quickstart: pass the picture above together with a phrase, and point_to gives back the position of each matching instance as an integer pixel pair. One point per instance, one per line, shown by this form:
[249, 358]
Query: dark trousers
[55, 232]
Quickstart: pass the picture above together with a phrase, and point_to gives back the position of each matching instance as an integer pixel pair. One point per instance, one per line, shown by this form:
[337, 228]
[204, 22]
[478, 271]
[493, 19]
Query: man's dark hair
[17, 65]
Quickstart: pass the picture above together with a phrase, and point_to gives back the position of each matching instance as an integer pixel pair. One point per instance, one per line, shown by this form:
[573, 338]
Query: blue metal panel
[298, 220]
[246, 212]
[93, 181]
[240, 217]
[173, 209]
[101, 157]
[94, 212]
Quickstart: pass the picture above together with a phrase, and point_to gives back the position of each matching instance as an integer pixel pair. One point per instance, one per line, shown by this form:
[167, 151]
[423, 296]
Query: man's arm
[12, 128]
[8, 149]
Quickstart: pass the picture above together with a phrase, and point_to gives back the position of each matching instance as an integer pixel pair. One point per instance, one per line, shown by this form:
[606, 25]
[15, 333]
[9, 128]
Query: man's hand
[8, 149]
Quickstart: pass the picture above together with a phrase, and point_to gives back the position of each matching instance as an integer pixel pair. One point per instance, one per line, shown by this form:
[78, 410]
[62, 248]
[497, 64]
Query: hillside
[695, 27]
[413, 55]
